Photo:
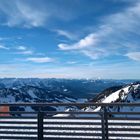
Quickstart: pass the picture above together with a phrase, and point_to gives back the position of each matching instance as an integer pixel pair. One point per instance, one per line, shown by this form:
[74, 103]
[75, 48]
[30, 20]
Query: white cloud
[28, 52]
[118, 71]
[112, 35]
[66, 34]
[3, 47]
[88, 41]
[31, 13]
[20, 13]
[134, 56]
[93, 55]
[40, 59]
[72, 62]
[22, 48]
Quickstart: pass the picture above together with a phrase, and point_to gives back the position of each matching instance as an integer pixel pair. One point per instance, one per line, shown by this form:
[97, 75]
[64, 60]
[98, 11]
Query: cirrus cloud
[114, 35]
[66, 34]
[40, 59]
[21, 13]
[22, 48]
[4, 47]
[134, 55]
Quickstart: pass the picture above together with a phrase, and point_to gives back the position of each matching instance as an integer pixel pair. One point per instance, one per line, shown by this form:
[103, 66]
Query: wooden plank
[48, 138]
[137, 118]
[71, 134]
[18, 117]
[124, 135]
[125, 113]
[19, 132]
[114, 138]
[123, 124]
[124, 129]
[18, 127]
[73, 123]
[17, 122]
[17, 138]
[82, 118]
[69, 128]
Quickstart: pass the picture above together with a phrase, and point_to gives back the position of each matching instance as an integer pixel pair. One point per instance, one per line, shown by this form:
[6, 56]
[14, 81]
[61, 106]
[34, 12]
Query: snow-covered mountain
[65, 91]
[82, 88]
[127, 94]
[34, 94]
[50, 90]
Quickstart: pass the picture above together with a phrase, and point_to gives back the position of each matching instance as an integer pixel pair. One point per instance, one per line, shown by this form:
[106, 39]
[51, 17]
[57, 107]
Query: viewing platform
[76, 124]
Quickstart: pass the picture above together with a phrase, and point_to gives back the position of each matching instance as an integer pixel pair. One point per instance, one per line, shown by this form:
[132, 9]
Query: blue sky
[70, 38]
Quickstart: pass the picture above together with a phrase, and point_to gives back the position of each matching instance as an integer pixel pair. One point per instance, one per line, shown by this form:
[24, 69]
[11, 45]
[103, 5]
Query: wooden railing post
[104, 124]
[40, 125]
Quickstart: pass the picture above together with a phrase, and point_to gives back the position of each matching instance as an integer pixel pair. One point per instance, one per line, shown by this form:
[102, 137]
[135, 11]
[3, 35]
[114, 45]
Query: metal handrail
[69, 104]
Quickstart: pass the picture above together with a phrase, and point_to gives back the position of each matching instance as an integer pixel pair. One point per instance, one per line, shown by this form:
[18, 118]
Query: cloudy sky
[70, 38]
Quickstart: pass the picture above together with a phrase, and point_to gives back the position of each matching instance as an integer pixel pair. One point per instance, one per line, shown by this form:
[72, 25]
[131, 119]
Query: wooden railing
[77, 125]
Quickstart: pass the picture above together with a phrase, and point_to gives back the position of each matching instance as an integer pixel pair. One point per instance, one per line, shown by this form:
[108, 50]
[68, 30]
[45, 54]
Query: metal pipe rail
[69, 104]
[74, 125]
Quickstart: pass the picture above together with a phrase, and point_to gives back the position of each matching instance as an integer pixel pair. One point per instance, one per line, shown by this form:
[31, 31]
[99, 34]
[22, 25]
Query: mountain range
[34, 90]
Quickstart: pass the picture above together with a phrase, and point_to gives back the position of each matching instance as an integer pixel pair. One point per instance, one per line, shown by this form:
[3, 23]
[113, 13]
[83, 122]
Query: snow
[63, 115]
[65, 90]
[63, 125]
[125, 95]
[112, 98]
[31, 93]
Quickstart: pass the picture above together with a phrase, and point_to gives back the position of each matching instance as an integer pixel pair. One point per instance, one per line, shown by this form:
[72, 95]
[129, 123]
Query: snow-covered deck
[76, 125]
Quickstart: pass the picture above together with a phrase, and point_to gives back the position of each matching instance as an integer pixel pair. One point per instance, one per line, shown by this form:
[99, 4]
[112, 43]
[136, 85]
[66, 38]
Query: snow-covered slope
[33, 94]
[127, 94]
